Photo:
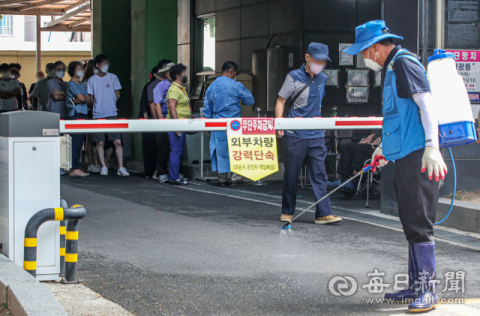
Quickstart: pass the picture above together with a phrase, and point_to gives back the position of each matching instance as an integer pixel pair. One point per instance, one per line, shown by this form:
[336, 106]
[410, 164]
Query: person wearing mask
[104, 88]
[9, 90]
[149, 140]
[57, 95]
[40, 75]
[161, 107]
[178, 108]
[222, 100]
[40, 92]
[57, 92]
[90, 149]
[306, 88]
[77, 100]
[14, 74]
[24, 97]
[410, 139]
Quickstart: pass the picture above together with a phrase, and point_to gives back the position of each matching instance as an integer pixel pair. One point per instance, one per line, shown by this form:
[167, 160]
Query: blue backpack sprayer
[456, 125]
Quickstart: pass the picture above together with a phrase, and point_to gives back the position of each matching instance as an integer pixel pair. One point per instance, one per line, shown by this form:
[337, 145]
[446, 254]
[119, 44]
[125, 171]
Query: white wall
[51, 41]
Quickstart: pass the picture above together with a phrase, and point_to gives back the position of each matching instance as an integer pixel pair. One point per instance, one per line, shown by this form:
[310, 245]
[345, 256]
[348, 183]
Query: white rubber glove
[433, 161]
[379, 158]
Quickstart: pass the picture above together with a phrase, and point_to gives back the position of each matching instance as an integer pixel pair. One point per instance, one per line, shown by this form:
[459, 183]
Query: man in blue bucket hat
[304, 90]
[410, 138]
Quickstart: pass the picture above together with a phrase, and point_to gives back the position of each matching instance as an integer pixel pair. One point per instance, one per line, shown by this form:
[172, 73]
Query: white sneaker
[104, 171]
[123, 172]
[163, 178]
[154, 177]
[93, 169]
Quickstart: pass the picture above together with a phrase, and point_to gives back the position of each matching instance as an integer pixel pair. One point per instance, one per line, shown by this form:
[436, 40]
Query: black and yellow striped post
[71, 255]
[49, 214]
[63, 231]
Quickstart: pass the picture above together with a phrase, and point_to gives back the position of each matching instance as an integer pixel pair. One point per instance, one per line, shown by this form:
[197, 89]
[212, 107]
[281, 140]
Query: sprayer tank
[450, 98]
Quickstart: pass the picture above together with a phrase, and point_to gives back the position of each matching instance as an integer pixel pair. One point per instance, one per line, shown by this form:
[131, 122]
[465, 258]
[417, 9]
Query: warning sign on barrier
[252, 147]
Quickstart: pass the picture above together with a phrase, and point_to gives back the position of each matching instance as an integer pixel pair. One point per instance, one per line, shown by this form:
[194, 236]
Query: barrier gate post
[71, 255]
[63, 231]
[50, 214]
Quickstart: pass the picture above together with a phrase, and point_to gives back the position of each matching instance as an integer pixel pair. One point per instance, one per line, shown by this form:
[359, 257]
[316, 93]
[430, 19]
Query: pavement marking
[312, 211]
[278, 204]
[361, 211]
[229, 195]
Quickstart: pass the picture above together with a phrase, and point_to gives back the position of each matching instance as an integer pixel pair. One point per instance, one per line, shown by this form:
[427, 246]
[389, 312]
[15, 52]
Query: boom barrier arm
[212, 125]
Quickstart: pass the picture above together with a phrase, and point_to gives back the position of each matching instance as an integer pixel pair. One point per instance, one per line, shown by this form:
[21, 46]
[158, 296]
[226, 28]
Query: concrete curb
[23, 294]
[464, 216]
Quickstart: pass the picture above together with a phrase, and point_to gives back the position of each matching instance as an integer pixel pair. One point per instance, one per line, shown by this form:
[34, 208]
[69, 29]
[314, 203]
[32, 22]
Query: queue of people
[92, 93]
[165, 97]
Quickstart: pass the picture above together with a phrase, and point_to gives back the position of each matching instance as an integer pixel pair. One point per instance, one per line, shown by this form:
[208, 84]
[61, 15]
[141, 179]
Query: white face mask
[6, 74]
[315, 68]
[79, 73]
[372, 64]
[95, 71]
[104, 69]
[38, 79]
[60, 74]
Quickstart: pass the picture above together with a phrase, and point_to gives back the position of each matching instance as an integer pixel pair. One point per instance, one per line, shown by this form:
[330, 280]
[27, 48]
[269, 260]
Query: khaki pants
[223, 177]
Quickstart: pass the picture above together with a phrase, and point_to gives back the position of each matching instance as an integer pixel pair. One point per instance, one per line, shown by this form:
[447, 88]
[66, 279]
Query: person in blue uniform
[222, 100]
[305, 87]
[410, 139]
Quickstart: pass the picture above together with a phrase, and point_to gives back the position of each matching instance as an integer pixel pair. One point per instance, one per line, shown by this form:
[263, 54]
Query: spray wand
[365, 169]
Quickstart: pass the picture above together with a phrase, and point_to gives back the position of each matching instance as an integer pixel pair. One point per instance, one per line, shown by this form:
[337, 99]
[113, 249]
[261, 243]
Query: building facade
[202, 34]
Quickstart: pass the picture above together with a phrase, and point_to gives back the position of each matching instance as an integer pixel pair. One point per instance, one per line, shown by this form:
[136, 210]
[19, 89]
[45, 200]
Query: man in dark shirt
[149, 140]
[23, 98]
[410, 75]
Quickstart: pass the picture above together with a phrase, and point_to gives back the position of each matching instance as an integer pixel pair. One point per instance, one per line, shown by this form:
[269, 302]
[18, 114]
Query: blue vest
[402, 126]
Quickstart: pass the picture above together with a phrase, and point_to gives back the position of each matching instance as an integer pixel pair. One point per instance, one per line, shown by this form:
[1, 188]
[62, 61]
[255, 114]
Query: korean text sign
[468, 66]
[252, 147]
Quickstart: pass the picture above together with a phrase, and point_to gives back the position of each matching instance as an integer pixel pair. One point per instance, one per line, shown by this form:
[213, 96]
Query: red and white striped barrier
[206, 125]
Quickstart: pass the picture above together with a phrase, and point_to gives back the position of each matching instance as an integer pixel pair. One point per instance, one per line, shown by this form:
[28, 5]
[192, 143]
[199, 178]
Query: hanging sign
[252, 147]
[357, 94]
[468, 66]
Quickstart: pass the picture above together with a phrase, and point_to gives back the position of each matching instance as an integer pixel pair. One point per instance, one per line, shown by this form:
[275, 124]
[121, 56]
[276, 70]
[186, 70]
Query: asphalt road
[157, 249]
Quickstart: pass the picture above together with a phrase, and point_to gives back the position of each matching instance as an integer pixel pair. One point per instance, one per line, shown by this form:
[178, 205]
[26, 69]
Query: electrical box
[66, 152]
[30, 182]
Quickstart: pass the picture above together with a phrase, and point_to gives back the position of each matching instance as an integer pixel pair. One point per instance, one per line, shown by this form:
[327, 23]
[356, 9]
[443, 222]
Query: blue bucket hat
[368, 34]
[318, 51]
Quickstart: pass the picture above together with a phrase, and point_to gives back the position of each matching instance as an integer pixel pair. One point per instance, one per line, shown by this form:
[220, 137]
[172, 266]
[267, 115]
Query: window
[207, 34]
[6, 25]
